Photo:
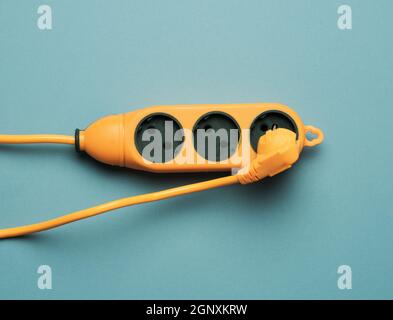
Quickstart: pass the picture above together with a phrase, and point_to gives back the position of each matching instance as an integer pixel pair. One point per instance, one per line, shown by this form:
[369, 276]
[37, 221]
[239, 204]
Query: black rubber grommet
[77, 141]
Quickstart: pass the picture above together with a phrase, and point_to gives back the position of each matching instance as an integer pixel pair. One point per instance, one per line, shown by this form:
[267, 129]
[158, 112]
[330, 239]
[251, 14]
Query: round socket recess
[267, 121]
[158, 137]
[216, 136]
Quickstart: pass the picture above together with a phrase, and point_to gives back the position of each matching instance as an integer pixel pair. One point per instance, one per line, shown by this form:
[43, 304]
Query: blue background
[281, 238]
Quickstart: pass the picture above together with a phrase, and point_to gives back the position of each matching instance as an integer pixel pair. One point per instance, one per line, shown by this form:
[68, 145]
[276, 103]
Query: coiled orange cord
[277, 151]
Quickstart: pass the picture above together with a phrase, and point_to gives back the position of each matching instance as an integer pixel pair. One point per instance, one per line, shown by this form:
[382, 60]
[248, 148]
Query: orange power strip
[255, 141]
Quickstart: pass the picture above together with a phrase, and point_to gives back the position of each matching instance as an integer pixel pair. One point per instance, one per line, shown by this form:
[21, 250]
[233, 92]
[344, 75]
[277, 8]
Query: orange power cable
[116, 204]
[36, 138]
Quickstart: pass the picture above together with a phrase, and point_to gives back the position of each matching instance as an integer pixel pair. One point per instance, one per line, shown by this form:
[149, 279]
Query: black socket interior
[220, 130]
[269, 120]
[158, 137]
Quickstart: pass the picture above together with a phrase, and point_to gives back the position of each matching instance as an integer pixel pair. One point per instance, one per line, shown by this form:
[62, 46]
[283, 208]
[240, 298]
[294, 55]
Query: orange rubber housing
[112, 139]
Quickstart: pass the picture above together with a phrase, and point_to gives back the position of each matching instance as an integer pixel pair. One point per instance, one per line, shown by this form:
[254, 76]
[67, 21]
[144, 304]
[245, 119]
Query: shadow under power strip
[252, 141]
